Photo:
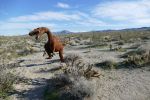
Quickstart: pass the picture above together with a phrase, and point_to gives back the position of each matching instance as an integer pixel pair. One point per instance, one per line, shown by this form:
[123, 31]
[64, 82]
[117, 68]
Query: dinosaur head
[38, 32]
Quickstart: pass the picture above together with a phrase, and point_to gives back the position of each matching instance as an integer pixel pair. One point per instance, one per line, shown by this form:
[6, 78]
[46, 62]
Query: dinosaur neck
[49, 34]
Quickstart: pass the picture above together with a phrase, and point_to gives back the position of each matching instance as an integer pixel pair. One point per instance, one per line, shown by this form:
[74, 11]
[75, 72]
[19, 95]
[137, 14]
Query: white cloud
[88, 20]
[49, 15]
[11, 25]
[73, 20]
[15, 28]
[62, 5]
[136, 12]
[72, 17]
[91, 22]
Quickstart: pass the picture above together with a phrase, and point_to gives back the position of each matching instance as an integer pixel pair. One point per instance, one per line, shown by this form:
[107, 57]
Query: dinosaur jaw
[36, 37]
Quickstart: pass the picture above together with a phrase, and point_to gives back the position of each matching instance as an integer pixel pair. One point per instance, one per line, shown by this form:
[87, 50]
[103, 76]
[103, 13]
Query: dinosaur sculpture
[53, 44]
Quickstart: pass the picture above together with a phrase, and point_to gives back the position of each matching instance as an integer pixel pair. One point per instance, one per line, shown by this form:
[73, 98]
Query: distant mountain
[127, 29]
[63, 32]
[99, 31]
[139, 29]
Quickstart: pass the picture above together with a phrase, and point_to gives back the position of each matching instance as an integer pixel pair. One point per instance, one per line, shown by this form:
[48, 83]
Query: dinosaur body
[53, 44]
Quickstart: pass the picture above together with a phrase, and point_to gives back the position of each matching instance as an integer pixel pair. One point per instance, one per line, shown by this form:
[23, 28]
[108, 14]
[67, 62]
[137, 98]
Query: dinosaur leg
[61, 55]
[48, 51]
[49, 55]
[44, 53]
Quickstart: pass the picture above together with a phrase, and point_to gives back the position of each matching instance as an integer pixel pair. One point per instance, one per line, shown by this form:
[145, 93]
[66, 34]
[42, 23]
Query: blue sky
[18, 17]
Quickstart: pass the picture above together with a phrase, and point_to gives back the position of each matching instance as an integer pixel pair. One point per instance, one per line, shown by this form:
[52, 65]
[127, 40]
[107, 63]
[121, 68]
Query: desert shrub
[139, 57]
[64, 87]
[13, 47]
[73, 43]
[130, 41]
[6, 81]
[108, 64]
[119, 49]
[114, 39]
[51, 94]
[138, 60]
[134, 46]
[75, 66]
[74, 83]
[121, 42]
[110, 47]
[127, 54]
[13, 52]
[145, 48]
[79, 89]
[140, 50]
[145, 38]
[96, 45]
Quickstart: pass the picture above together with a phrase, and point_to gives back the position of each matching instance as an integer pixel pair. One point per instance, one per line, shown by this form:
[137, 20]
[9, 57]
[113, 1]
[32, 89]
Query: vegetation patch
[119, 49]
[13, 47]
[121, 42]
[138, 60]
[6, 82]
[109, 64]
[96, 46]
[51, 95]
[75, 83]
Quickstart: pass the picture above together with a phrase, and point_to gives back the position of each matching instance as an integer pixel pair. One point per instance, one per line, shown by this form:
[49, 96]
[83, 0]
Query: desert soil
[120, 84]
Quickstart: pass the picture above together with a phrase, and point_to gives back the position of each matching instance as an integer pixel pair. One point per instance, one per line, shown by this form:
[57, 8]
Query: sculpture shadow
[48, 62]
[49, 70]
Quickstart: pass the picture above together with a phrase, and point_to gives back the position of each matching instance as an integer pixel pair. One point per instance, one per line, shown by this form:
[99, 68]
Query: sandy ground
[121, 84]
